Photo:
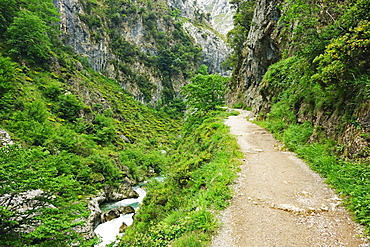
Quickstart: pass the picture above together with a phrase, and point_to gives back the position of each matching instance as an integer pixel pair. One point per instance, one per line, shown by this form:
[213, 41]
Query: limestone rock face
[219, 14]
[76, 34]
[214, 49]
[95, 43]
[5, 138]
[261, 50]
[99, 54]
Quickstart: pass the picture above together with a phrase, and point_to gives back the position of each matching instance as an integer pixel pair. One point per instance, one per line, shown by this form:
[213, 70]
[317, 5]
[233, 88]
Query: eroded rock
[116, 212]
[5, 138]
[120, 192]
[123, 227]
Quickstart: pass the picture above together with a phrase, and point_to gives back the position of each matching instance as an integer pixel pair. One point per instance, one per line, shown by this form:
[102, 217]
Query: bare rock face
[102, 58]
[214, 49]
[219, 14]
[87, 230]
[5, 138]
[261, 50]
[123, 191]
[77, 35]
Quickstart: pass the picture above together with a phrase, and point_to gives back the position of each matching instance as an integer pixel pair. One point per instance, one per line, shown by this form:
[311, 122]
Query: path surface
[279, 201]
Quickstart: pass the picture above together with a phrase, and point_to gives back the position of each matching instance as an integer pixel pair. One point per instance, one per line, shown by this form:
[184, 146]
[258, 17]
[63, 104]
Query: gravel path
[279, 201]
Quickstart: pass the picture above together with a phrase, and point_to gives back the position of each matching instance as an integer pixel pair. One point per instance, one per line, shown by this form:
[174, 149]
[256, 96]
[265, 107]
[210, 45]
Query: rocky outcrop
[119, 192]
[260, 50]
[110, 193]
[5, 138]
[138, 31]
[214, 49]
[94, 44]
[122, 228]
[76, 34]
[219, 15]
[87, 229]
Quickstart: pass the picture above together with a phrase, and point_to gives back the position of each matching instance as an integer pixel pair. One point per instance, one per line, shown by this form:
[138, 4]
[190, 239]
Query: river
[109, 231]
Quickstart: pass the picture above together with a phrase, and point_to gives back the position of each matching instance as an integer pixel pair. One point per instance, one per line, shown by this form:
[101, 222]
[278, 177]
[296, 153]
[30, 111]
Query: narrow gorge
[99, 96]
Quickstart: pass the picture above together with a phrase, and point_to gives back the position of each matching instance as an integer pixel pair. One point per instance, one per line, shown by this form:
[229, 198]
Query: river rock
[120, 192]
[87, 229]
[116, 212]
[123, 227]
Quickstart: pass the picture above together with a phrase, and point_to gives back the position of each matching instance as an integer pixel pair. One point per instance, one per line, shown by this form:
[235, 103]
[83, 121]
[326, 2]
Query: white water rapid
[109, 231]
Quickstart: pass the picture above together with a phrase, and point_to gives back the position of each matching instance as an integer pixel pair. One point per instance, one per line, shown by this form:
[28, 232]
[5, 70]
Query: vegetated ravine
[97, 96]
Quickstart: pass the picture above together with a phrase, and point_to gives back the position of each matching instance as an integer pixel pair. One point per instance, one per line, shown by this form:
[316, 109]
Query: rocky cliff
[84, 27]
[214, 48]
[261, 49]
[341, 117]
[208, 23]
[143, 44]
[221, 14]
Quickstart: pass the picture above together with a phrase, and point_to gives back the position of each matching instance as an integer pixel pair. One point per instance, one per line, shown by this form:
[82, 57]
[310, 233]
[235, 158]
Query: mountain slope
[142, 44]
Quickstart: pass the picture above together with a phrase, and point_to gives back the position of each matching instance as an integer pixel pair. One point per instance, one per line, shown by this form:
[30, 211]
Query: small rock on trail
[279, 200]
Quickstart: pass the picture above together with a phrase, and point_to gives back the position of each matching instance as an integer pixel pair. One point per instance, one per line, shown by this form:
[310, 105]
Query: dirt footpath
[279, 201]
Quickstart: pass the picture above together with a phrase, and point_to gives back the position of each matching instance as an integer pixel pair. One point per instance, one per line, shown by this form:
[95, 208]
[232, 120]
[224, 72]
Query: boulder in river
[116, 212]
[123, 227]
[120, 192]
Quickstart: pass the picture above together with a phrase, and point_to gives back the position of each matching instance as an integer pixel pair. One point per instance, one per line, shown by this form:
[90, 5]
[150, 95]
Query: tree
[28, 36]
[7, 10]
[206, 92]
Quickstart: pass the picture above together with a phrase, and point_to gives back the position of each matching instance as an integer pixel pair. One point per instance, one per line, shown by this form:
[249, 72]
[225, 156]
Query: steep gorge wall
[263, 48]
[216, 17]
[85, 28]
[77, 34]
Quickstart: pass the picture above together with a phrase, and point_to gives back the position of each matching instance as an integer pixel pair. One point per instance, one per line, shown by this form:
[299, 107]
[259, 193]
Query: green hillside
[77, 132]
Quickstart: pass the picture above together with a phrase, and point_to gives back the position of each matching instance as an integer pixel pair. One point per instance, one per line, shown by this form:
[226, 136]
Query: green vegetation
[203, 165]
[76, 131]
[237, 36]
[70, 147]
[324, 78]
[206, 92]
[179, 210]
